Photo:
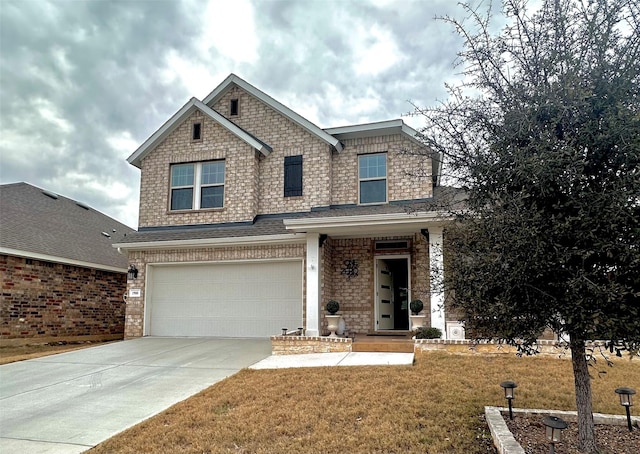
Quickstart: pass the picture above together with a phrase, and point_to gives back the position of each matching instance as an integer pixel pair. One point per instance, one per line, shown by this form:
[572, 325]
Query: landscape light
[626, 401]
[509, 386]
[554, 426]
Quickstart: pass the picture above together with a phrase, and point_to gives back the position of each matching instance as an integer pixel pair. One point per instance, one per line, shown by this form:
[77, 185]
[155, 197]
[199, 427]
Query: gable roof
[232, 79]
[40, 224]
[191, 106]
[385, 128]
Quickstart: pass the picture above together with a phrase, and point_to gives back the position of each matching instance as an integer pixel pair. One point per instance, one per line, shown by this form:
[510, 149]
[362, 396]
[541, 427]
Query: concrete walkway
[335, 359]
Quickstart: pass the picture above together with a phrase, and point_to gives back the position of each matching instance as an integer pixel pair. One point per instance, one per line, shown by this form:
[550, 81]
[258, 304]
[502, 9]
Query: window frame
[293, 168]
[197, 185]
[384, 178]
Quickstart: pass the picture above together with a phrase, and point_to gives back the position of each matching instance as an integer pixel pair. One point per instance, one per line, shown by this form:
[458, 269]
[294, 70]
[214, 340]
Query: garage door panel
[231, 300]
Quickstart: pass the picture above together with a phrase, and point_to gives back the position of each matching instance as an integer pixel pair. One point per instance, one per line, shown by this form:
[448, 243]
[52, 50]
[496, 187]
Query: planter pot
[333, 322]
[417, 321]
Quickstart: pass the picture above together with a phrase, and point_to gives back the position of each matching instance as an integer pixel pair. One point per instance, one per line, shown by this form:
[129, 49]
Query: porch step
[390, 346]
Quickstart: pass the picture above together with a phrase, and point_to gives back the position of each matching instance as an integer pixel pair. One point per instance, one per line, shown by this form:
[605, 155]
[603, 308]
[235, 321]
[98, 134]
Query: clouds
[84, 83]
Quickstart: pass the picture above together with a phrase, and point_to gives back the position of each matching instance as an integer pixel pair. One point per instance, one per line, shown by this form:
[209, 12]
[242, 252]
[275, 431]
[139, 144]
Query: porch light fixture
[626, 401]
[132, 273]
[554, 426]
[509, 394]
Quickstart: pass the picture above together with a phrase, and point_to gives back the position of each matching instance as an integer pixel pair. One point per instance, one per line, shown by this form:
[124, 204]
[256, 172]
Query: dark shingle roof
[264, 225]
[39, 222]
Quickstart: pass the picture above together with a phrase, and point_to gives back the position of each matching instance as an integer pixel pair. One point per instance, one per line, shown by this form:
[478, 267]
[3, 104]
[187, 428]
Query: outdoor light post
[555, 426]
[509, 386]
[626, 401]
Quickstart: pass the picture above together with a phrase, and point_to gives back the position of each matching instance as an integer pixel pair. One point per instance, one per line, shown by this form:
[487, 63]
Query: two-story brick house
[252, 218]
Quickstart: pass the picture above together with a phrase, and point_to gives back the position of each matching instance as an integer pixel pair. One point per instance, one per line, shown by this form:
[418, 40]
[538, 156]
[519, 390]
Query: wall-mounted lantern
[132, 273]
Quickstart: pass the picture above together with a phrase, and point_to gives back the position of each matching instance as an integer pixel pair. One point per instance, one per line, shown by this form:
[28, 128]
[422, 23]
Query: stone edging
[504, 440]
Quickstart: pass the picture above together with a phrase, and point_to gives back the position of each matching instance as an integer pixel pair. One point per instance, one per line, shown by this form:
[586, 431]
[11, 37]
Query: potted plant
[333, 320]
[417, 319]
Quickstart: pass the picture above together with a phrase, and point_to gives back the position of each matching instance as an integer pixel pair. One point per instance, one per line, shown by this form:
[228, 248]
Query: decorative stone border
[504, 440]
[293, 345]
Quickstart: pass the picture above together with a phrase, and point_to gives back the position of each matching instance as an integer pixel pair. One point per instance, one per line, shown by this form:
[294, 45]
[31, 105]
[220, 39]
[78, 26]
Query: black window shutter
[292, 176]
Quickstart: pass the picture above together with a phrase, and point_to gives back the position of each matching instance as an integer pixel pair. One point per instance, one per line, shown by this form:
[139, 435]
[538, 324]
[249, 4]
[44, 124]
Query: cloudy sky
[84, 83]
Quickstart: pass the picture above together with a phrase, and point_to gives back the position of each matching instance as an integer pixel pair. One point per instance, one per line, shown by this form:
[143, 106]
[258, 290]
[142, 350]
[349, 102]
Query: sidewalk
[335, 359]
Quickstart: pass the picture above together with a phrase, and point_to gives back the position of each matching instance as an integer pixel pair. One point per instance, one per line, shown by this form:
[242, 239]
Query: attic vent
[233, 108]
[106, 234]
[82, 205]
[53, 195]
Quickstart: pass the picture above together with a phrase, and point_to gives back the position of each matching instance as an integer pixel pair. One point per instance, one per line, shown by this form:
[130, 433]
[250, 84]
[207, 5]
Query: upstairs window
[234, 108]
[197, 185]
[372, 178]
[293, 176]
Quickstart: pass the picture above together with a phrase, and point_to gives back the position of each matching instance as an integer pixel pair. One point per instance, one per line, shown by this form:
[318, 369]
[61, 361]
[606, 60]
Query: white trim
[377, 257]
[436, 279]
[368, 225]
[61, 260]
[170, 125]
[268, 100]
[215, 242]
[313, 274]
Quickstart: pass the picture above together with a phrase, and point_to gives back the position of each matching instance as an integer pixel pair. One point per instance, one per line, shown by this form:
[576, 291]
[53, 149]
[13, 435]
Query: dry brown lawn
[10, 354]
[435, 406]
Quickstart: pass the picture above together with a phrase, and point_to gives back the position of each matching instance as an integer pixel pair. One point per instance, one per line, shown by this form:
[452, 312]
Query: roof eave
[62, 260]
[170, 125]
[370, 224]
[288, 238]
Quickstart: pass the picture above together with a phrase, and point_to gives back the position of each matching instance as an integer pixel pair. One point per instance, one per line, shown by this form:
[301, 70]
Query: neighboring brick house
[61, 277]
[252, 218]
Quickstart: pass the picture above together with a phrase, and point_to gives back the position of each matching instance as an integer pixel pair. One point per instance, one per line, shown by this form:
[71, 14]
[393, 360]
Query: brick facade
[134, 320]
[42, 300]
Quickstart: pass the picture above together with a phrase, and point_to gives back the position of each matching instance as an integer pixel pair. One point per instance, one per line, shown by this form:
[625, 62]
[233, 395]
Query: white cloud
[375, 50]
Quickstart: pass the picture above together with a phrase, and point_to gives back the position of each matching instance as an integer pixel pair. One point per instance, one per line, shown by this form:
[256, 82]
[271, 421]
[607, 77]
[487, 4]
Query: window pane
[373, 166]
[373, 191]
[212, 197]
[182, 175]
[181, 199]
[213, 172]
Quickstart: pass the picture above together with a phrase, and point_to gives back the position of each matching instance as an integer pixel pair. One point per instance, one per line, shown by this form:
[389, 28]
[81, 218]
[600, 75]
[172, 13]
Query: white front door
[384, 296]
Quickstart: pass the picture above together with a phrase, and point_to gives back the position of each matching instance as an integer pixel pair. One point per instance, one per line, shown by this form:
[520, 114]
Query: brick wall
[43, 299]
[254, 183]
[241, 168]
[408, 174]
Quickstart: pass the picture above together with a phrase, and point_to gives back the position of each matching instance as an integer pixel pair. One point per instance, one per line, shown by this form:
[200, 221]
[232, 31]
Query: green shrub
[332, 306]
[428, 332]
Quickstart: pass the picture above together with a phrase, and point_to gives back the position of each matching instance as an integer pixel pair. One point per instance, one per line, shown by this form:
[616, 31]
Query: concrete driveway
[70, 402]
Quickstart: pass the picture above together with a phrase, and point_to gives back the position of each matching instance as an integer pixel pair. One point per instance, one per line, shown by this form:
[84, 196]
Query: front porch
[374, 266]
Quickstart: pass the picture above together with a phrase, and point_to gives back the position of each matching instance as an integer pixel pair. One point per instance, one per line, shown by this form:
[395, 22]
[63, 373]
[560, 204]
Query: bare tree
[543, 133]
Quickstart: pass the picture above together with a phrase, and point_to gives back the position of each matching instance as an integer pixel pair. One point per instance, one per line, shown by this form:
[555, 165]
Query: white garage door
[229, 300]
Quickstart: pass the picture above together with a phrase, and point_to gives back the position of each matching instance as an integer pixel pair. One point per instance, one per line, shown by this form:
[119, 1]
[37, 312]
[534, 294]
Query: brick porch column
[436, 279]
[313, 285]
